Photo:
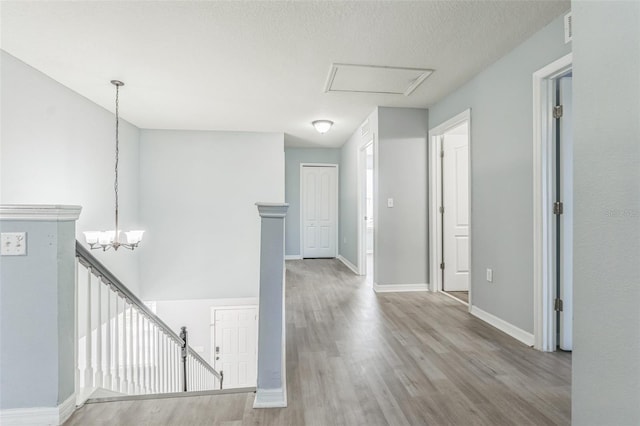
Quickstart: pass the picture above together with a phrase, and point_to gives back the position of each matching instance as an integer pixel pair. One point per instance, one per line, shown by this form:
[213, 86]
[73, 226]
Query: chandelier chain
[115, 185]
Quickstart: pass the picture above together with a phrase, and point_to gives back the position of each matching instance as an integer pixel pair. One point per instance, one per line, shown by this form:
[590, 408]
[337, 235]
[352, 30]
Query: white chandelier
[111, 239]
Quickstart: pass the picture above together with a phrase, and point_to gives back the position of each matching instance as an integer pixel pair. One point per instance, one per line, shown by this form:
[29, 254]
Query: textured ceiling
[261, 66]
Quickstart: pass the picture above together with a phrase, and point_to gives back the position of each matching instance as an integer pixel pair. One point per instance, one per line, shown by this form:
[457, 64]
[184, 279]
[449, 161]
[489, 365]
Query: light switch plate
[490, 275]
[389, 202]
[13, 244]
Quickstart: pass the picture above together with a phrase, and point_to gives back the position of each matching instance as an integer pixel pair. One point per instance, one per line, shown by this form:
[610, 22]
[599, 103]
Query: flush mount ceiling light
[322, 126]
[111, 239]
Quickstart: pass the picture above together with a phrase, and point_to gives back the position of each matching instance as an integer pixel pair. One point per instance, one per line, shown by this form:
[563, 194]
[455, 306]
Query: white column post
[272, 385]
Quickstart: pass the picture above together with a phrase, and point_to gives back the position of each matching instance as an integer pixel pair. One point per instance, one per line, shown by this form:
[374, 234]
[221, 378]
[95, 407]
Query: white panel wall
[198, 193]
[58, 147]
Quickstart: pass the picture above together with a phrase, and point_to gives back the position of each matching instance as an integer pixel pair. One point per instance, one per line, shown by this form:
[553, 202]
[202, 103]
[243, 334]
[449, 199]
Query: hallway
[359, 358]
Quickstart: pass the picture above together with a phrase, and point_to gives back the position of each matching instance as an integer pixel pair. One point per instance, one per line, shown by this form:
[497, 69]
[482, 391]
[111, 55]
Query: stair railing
[123, 347]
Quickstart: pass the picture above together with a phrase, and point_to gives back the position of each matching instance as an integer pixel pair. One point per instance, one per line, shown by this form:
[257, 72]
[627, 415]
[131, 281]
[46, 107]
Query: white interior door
[319, 202]
[234, 345]
[455, 189]
[566, 219]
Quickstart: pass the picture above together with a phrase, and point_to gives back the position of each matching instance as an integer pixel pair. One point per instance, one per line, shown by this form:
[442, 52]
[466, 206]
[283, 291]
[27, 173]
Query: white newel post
[37, 344]
[272, 385]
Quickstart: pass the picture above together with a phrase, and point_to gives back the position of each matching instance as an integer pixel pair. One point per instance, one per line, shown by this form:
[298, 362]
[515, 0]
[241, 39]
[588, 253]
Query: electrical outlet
[13, 244]
[490, 275]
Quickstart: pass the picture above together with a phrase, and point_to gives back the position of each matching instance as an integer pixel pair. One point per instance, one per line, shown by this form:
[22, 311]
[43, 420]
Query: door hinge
[558, 207]
[557, 111]
[442, 265]
[557, 305]
[441, 209]
[442, 154]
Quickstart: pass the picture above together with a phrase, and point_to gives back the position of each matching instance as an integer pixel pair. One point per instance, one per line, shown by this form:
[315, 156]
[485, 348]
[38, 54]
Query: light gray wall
[501, 150]
[401, 251]
[349, 153]
[293, 158]
[36, 338]
[606, 78]
[58, 148]
[198, 192]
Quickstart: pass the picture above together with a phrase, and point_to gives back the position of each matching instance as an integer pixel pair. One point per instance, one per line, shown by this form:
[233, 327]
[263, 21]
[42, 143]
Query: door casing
[435, 195]
[362, 208]
[544, 291]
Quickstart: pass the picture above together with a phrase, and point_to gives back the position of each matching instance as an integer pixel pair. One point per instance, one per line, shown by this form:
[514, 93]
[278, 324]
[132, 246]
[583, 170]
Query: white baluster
[156, 339]
[124, 386]
[76, 333]
[139, 351]
[174, 366]
[161, 361]
[144, 355]
[132, 377]
[88, 370]
[108, 380]
[99, 373]
[116, 349]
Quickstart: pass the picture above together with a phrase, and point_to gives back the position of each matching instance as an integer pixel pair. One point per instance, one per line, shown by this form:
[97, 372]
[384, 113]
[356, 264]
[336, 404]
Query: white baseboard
[293, 257]
[348, 264]
[513, 331]
[270, 398]
[399, 288]
[39, 416]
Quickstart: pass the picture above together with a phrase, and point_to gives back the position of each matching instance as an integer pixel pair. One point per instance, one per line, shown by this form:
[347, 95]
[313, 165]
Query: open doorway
[450, 225]
[366, 211]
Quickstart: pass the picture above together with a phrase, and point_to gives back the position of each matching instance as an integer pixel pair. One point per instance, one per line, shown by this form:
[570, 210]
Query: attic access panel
[375, 79]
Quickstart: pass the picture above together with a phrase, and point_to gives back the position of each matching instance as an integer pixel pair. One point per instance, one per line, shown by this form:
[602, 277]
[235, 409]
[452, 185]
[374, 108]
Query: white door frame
[337, 210]
[544, 329]
[435, 222]
[362, 195]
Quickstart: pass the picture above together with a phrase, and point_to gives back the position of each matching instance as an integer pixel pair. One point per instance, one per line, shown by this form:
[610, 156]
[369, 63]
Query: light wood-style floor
[359, 358]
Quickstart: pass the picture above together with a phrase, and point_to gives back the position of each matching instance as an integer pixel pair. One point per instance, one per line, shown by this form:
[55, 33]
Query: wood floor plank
[355, 357]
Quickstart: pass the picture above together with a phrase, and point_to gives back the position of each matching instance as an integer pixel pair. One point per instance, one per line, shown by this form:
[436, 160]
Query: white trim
[270, 398]
[543, 250]
[435, 225]
[361, 208]
[399, 288]
[44, 212]
[336, 201]
[272, 210]
[348, 264]
[236, 303]
[39, 416]
[454, 298]
[506, 327]
[67, 408]
[293, 257]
